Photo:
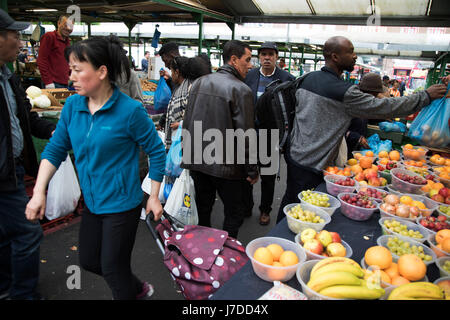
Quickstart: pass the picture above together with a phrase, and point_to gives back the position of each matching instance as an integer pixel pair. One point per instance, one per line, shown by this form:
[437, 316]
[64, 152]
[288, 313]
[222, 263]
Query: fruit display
[443, 174]
[338, 171]
[314, 198]
[372, 193]
[394, 155]
[336, 184]
[437, 192]
[370, 177]
[411, 179]
[406, 181]
[400, 247]
[417, 291]
[396, 226]
[446, 266]
[445, 209]
[324, 243]
[444, 284]
[386, 164]
[356, 206]
[438, 160]
[299, 213]
[341, 278]
[418, 164]
[434, 224]
[414, 153]
[403, 207]
[424, 172]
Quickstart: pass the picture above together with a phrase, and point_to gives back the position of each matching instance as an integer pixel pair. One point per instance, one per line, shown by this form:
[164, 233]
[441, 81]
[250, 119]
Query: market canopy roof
[419, 13]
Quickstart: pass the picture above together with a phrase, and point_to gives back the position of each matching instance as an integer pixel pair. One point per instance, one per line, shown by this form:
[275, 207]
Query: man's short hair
[385, 78]
[333, 45]
[146, 52]
[169, 47]
[234, 48]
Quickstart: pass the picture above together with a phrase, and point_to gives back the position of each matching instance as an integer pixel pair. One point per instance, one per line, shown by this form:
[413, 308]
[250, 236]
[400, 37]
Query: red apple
[336, 238]
[374, 181]
[336, 250]
[359, 176]
[438, 198]
[325, 238]
[444, 192]
[447, 200]
[313, 246]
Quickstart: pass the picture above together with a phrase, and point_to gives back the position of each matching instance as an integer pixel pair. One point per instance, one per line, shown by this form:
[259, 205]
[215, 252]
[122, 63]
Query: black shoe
[264, 219]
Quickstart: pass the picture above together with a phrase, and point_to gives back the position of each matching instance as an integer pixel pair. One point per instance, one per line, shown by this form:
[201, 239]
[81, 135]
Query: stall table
[360, 235]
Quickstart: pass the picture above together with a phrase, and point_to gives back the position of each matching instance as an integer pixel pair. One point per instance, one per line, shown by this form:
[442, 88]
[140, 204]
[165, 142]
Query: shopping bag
[162, 95]
[396, 126]
[173, 158]
[63, 191]
[181, 202]
[341, 159]
[146, 186]
[431, 126]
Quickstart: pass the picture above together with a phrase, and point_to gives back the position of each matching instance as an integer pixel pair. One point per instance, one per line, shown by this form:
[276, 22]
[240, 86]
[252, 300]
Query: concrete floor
[59, 256]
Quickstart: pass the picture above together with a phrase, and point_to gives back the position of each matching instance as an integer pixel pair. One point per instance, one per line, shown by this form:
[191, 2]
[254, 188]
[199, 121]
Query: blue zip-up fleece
[106, 148]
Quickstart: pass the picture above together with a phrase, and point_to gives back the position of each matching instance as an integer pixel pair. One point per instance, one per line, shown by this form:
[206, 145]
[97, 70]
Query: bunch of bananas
[418, 291]
[342, 278]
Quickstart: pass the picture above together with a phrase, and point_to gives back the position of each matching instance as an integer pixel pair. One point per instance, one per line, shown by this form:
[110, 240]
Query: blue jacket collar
[108, 105]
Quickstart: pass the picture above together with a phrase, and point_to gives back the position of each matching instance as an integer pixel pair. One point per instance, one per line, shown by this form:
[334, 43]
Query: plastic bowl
[445, 182]
[410, 225]
[385, 214]
[326, 173]
[418, 219]
[383, 240]
[270, 273]
[297, 226]
[334, 203]
[418, 155]
[375, 156]
[431, 239]
[440, 211]
[404, 186]
[311, 256]
[440, 263]
[391, 189]
[334, 189]
[383, 192]
[355, 212]
[302, 274]
[441, 279]
[422, 168]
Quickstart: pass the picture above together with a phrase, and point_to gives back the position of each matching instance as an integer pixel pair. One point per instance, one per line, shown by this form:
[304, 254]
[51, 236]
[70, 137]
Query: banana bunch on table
[418, 291]
[343, 278]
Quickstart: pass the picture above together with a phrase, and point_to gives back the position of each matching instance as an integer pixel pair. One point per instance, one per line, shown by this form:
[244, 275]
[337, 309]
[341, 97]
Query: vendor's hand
[174, 125]
[363, 142]
[50, 86]
[35, 208]
[252, 181]
[437, 91]
[164, 73]
[154, 205]
[446, 80]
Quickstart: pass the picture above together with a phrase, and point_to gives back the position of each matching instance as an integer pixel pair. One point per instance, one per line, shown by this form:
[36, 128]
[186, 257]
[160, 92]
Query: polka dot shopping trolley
[200, 259]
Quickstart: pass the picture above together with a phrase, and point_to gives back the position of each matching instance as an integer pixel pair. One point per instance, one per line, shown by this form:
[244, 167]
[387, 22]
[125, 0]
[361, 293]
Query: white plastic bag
[181, 202]
[147, 188]
[63, 191]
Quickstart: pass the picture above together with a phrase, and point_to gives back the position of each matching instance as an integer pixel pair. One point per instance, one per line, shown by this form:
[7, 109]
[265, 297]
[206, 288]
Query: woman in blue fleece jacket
[105, 129]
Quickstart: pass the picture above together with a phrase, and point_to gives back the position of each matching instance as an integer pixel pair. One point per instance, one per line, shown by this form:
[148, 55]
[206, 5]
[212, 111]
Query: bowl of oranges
[416, 153]
[275, 259]
[443, 174]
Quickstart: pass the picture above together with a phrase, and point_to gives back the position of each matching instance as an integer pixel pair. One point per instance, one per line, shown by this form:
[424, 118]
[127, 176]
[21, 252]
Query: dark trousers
[267, 193]
[231, 194]
[298, 179]
[20, 240]
[105, 246]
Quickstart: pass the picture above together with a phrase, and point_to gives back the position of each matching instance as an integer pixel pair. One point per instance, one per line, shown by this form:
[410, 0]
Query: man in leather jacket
[221, 104]
[19, 238]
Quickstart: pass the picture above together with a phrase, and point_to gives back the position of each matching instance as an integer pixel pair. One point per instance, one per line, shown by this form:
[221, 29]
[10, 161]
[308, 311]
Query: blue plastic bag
[162, 95]
[377, 145]
[396, 126]
[431, 126]
[173, 158]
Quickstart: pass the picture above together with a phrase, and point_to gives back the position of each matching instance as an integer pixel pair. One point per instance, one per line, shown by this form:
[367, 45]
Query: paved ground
[59, 256]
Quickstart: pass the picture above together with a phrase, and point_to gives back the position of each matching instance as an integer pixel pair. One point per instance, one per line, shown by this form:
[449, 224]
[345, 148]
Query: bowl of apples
[322, 244]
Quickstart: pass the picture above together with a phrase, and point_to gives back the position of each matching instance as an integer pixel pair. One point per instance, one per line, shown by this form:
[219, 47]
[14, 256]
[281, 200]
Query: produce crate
[395, 137]
[30, 66]
[57, 96]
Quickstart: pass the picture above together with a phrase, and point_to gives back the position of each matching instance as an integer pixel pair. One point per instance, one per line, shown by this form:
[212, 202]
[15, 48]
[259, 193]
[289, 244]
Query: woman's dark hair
[99, 51]
[191, 68]
[234, 48]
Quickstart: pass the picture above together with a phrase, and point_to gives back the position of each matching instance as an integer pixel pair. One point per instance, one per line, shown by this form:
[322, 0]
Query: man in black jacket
[19, 238]
[220, 109]
[257, 79]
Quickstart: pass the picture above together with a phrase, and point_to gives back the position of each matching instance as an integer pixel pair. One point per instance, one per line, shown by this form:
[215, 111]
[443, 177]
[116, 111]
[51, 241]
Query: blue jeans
[20, 240]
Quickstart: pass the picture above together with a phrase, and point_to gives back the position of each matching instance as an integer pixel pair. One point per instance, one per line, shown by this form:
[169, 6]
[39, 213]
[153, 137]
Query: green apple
[308, 234]
[433, 192]
[325, 238]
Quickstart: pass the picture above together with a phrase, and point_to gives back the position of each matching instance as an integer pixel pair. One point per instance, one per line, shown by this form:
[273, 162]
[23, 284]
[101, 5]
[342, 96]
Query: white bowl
[355, 212]
[334, 189]
[439, 263]
[334, 203]
[385, 214]
[440, 211]
[409, 225]
[404, 186]
[383, 240]
[312, 256]
[418, 219]
[433, 245]
[270, 273]
[297, 226]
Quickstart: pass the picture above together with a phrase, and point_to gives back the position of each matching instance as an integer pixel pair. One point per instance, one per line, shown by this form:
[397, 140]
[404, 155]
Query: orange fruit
[288, 258]
[378, 256]
[442, 234]
[411, 267]
[392, 271]
[385, 278]
[352, 162]
[276, 274]
[369, 153]
[418, 204]
[276, 251]
[383, 154]
[356, 169]
[384, 161]
[446, 244]
[406, 200]
[440, 161]
[394, 155]
[399, 280]
[438, 186]
[263, 255]
[357, 155]
[365, 162]
[447, 162]
[408, 146]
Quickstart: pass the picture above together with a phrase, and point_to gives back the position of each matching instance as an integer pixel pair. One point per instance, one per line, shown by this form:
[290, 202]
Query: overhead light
[41, 10]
